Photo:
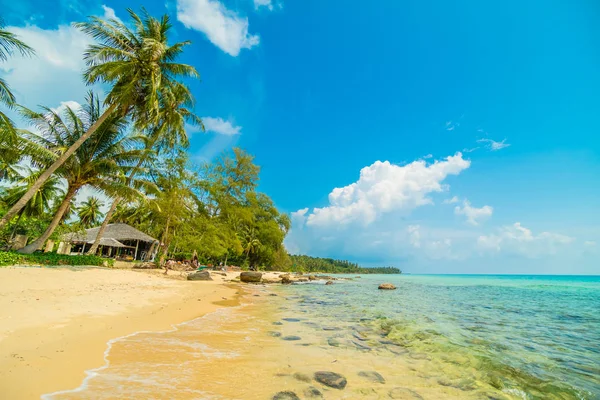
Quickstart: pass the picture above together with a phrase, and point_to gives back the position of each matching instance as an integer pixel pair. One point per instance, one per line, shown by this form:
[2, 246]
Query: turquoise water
[530, 337]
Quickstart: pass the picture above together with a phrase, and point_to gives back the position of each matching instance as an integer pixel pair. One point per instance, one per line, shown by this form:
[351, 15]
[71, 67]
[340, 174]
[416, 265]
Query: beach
[55, 322]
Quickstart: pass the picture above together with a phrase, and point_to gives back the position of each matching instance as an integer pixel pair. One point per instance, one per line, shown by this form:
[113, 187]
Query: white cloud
[492, 145]
[54, 75]
[384, 187]
[428, 156]
[453, 200]
[220, 126]
[223, 27]
[109, 13]
[73, 105]
[414, 235]
[589, 243]
[263, 3]
[474, 215]
[450, 125]
[517, 239]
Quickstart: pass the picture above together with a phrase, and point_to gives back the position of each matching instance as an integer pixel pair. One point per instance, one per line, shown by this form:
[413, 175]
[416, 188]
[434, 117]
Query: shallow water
[463, 337]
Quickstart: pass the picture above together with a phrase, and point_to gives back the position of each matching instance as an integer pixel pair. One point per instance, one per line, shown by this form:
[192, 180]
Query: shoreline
[56, 324]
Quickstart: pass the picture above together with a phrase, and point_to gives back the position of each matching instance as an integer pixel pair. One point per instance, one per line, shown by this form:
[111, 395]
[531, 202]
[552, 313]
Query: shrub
[11, 258]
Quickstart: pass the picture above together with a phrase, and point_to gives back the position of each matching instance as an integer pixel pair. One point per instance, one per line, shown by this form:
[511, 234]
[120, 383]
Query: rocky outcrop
[372, 376]
[329, 283]
[312, 278]
[286, 279]
[287, 395]
[387, 286]
[250, 277]
[331, 379]
[312, 393]
[199, 276]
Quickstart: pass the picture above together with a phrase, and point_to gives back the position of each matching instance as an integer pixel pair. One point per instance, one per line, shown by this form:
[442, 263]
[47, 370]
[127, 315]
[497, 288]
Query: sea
[434, 337]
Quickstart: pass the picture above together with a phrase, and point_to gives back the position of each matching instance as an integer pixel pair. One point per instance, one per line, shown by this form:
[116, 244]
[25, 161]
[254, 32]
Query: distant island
[301, 263]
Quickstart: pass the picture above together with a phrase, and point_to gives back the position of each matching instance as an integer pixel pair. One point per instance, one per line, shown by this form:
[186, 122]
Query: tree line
[302, 263]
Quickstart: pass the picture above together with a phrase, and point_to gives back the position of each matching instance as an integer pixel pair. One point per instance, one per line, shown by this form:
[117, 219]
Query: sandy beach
[55, 323]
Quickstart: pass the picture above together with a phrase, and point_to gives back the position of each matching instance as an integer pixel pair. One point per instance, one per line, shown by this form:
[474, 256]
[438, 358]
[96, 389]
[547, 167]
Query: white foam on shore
[92, 373]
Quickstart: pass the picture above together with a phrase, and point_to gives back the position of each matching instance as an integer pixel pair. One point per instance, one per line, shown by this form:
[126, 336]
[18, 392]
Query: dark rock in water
[272, 294]
[287, 395]
[331, 379]
[419, 356]
[312, 278]
[250, 277]
[285, 279]
[292, 319]
[274, 334]
[385, 341]
[387, 286]
[312, 392]
[361, 345]
[303, 344]
[291, 338]
[302, 377]
[329, 283]
[333, 342]
[277, 323]
[331, 328]
[372, 376]
[359, 336]
[400, 393]
[257, 295]
[397, 350]
[312, 324]
[199, 276]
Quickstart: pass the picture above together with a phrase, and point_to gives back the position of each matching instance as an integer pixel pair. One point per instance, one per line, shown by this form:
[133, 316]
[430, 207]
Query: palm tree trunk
[39, 242]
[12, 235]
[48, 173]
[165, 246]
[100, 234]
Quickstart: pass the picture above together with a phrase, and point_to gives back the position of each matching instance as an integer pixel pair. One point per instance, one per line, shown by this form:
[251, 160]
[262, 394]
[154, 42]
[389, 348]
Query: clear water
[532, 337]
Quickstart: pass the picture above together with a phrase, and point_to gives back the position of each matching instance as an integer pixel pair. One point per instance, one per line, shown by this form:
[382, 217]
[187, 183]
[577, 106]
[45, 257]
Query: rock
[285, 279]
[302, 377]
[274, 334]
[277, 323]
[271, 281]
[372, 376]
[359, 336]
[291, 337]
[302, 280]
[272, 294]
[331, 379]
[292, 319]
[199, 276]
[387, 286]
[312, 392]
[400, 393]
[287, 395]
[219, 273]
[250, 277]
[312, 278]
[333, 342]
[331, 328]
[360, 345]
[329, 283]
[145, 265]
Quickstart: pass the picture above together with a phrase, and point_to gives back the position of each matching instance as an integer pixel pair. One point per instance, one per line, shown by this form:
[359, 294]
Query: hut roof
[110, 242]
[118, 232]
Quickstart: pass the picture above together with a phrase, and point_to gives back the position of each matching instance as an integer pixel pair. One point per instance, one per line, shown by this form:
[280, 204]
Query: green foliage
[302, 263]
[12, 258]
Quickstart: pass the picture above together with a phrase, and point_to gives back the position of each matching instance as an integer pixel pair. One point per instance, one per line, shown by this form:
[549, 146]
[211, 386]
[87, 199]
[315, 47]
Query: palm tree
[9, 44]
[40, 203]
[252, 241]
[101, 164]
[138, 63]
[176, 103]
[89, 212]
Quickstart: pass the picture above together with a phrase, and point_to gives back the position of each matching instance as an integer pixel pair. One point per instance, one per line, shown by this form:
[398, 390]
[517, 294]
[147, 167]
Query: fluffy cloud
[453, 200]
[109, 13]
[384, 187]
[223, 27]
[263, 3]
[474, 215]
[492, 145]
[220, 126]
[517, 239]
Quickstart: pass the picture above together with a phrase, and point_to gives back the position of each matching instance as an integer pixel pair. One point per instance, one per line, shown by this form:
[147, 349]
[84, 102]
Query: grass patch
[13, 258]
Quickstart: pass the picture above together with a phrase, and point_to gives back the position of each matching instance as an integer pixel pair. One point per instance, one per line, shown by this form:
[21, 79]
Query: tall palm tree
[138, 63]
[175, 112]
[9, 44]
[101, 164]
[89, 212]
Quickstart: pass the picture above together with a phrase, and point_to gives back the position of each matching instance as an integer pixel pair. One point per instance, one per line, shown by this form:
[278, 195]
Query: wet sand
[55, 323]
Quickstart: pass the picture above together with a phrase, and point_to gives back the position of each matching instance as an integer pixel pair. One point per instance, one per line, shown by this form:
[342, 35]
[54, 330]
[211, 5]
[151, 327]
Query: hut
[118, 240]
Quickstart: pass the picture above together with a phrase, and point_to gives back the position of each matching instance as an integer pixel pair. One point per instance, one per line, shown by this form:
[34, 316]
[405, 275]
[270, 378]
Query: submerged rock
[292, 319]
[287, 395]
[361, 345]
[387, 286]
[333, 342]
[312, 392]
[199, 276]
[359, 336]
[291, 337]
[400, 393]
[372, 376]
[285, 279]
[302, 377]
[274, 334]
[250, 277]
[331, 328]
[329, 283]
[331, 379]
[272, 294]
[277, 323]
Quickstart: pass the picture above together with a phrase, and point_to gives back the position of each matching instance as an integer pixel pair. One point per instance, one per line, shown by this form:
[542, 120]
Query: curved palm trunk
[39, 242]
[48, 173]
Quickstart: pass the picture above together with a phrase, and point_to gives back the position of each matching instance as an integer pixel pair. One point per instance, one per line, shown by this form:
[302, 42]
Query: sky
[437, 137]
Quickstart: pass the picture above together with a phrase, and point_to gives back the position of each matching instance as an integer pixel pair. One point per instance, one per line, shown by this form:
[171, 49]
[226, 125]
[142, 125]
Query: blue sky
[475, 124]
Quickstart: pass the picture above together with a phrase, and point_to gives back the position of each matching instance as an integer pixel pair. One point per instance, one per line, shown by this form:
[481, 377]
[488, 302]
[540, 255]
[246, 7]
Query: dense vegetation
[13, 258]
[302, 263]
